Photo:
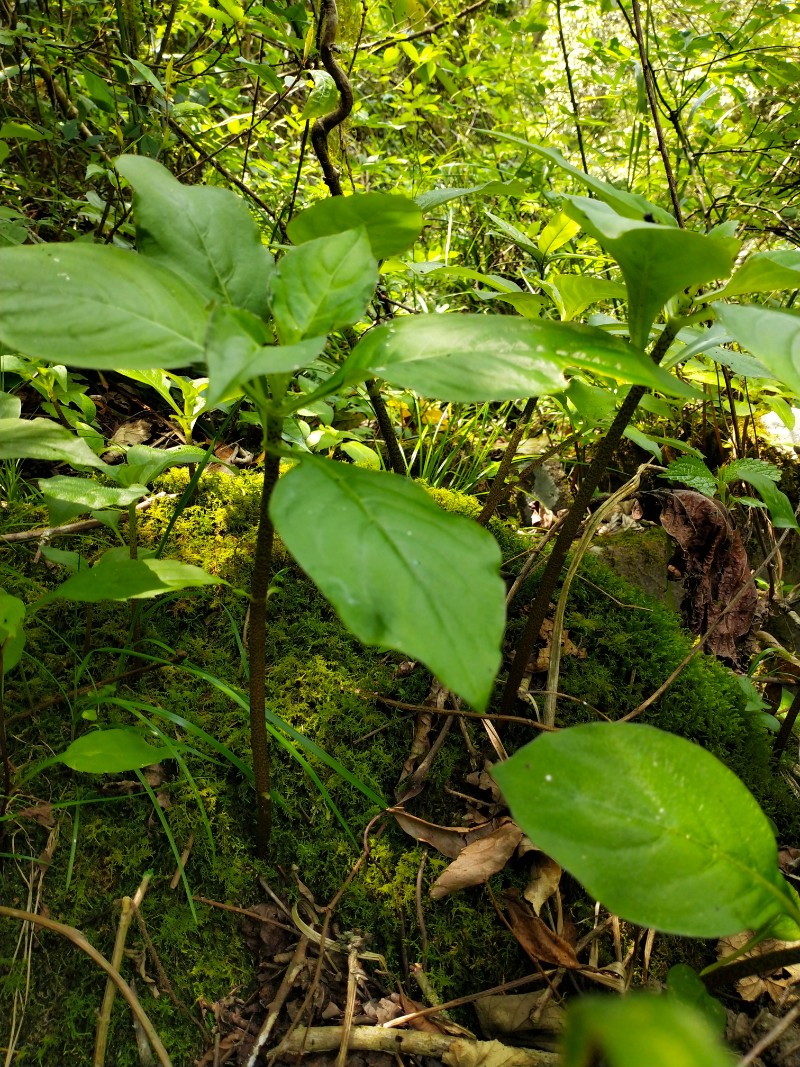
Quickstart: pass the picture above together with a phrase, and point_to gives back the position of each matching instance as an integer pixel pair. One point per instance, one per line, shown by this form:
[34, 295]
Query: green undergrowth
[322, 683]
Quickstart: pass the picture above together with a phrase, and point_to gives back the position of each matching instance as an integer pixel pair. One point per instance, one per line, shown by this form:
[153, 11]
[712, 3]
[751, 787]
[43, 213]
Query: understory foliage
[363, 245]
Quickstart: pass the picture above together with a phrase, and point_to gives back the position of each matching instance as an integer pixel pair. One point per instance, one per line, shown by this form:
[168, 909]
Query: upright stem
[572, 522]
[262, 569]
[4, 747]
[498, 486]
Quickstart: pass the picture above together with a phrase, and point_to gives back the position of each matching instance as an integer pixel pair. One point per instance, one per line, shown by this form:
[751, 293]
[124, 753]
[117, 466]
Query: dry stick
[649, 83]
[276, 1004]
[80, 941]
[427, 709]
[498, 486]
[413, 1043]
[262, 570]
[572, 522]
[104, 1018]
[244, 911]
[47, 532]
[770, 1037]
[787, 726]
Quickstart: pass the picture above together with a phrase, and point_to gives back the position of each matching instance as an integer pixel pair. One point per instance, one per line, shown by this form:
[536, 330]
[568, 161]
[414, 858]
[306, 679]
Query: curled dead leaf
[478, 861]
[754, 985]
[536, 937]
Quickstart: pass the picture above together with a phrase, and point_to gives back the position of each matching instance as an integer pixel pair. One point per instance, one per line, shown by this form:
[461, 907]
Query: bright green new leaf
[693, 473]
[765, 271]
[97, 306]
[474, 358]
[10, 406]
[88, 494]
[323, 284]
[436, 197]
[556, 233]
[323, 98]
[655, 827]
[773, 336]
[573, 293]
[234, 356]
[112, 751]
[117, 577]
[12, 634]
[361, 453]
[143, 463]
[393, 223]
[203, 233]
[43, 439]
[640, 1029]
[657, 262]
[399, 571]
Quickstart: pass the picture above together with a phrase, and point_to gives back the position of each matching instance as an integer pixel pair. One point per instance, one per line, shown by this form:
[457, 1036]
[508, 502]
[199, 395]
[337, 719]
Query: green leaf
[393, 223]
[644, 441]
[10, 407]
[203, 233]
[112, 751]
[763, 476]
[436, 197]
[399, 571]
[43, 439]
[323, 284]
[556, 233]
[143, 463]
[323, 98]
[117, 577]
[655, 827]
[234, 356]
[361, 453]
[657, 262]
[638, 1030]
[764, 272]
[474, 358]
[741, 469]
[773, 336]
[97, 306]
[575, 292]
[685, 986]
[12, 615]
[692, 472]
[89, 494]
[520, 239]
[631, 205]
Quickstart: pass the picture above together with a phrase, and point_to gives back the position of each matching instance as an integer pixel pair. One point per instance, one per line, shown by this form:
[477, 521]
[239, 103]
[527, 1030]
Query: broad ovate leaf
[89, 495]
[323, 284]
[144, 463]
[640, 1029]
[12, 634]
[112, 751]
[655, 827]
[773, 336]
[323, 98]
[117, 577]
[43, 439]
[764, 272]
[96, 306]
[657, 262]
[400, 572]
[203, 233]
[474, 358]
[392, 222]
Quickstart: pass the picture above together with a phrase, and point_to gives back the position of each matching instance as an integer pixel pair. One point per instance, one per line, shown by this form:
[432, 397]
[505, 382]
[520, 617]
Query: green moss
[320, 681]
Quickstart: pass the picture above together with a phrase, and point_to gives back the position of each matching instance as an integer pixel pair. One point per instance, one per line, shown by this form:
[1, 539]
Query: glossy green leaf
[117, 577]
[436, 197]
[97, 306]
[654, 826]
[236, 354]
[693, 473]
[685, 986]
[556, 233]
[657, 262]
[772, 336]
[393, 223]
[203, 233]
[399, 571]
[637, 1030]
[43, 439]
[143, 463]
[112, 751]
[573, 293]
[765, 271]
[323, 284]
[323, 98]
[495, 357]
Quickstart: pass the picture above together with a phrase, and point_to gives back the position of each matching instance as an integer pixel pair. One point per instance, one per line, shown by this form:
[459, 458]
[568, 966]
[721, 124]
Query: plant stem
[395, 455]
[4, 747]
[541, 603]
[262, 568]
[497, 490]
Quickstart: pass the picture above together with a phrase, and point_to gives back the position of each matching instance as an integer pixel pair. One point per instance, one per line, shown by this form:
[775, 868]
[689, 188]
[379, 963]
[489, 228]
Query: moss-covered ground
[320, 681]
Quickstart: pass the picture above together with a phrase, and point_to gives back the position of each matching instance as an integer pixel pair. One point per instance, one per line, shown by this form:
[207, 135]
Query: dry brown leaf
[487, 1054]
[568, 647]
[476, 863]
[536, 938]
[752, 987]
[41, 813]
[449, 840]
[506, 1014]
[423, 1023]
[543, 881]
